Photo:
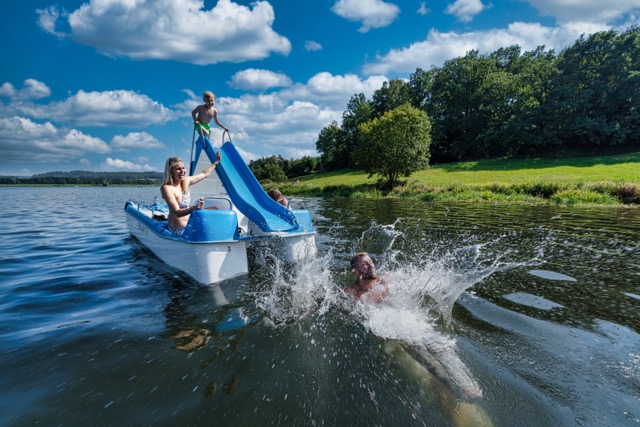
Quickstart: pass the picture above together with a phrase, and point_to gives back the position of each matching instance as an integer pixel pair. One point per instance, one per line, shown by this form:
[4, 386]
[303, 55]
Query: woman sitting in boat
[175, 191]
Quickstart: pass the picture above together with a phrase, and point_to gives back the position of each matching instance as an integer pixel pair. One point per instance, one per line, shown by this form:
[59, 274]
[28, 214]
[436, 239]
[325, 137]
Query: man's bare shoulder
[352, 289]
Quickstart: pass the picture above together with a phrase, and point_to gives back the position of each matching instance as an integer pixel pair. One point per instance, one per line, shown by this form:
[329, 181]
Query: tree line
[86, 178]
[507, 103]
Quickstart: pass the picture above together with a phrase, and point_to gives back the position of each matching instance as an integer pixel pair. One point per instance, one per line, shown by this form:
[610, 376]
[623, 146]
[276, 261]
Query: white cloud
[253, 79]
[439, 47]
[312, 46]
[22, 140]
[48, 19]
[333, 90]
[178, 30]
[422, 10]
[111, 163]
[109, 108]
[465, 10]
[135, 140]
[594, 11]
[32, 89]
[7, 90]
[287, 122]
[371, 13]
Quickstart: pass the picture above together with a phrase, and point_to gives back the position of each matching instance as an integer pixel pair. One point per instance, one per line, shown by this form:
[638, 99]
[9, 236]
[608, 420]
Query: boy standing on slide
[203, 114]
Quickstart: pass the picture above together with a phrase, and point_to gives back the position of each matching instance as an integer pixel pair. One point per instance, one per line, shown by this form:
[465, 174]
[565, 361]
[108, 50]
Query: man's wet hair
[354, 258]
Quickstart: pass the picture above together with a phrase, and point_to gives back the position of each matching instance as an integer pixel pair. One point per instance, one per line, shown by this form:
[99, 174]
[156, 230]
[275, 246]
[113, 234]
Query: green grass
[597, 180]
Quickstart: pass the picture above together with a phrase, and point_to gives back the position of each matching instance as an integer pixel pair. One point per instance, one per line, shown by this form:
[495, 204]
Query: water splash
[295, 291]
[423, 287]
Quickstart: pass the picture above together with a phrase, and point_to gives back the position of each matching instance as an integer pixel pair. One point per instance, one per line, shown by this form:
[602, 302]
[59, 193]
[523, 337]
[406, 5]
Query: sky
[109, 85]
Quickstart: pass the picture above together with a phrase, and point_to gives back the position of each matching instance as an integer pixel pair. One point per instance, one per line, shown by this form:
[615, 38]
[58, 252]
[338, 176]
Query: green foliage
[395, 144]
[268, 168]
[595, 101]
[332, 148]
[509, 103]
[390, 96]
[337, 143]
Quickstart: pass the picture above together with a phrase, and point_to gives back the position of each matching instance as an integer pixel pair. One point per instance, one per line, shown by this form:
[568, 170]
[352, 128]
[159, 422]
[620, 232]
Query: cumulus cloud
[465, 10]
[135, 140]
[593, 11]
[108, 108]
[119, 164]
[371, 13]
[178, 30]
[439, 47]
[253, 79]
[333, 90]
[288, 121]
[32, 89]
[26, 141]
[312, 46]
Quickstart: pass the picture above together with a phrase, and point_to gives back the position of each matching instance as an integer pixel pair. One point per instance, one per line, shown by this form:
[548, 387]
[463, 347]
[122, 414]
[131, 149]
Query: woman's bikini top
[185, 201]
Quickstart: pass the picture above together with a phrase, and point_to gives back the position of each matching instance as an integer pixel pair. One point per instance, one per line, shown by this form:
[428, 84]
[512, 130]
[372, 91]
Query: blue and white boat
[214, 244]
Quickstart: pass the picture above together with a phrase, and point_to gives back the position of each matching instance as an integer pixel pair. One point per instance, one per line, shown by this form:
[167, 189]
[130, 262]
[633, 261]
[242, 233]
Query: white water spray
[423, 288]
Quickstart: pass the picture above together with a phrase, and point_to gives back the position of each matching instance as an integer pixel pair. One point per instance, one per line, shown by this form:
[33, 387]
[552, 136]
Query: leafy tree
[358, 111]
[457, 106]
[269, 168]
[396, 144]
[331, 148]
[595, 102]
[536, 74]
[300, 167]
[420, 88]
[392, 94]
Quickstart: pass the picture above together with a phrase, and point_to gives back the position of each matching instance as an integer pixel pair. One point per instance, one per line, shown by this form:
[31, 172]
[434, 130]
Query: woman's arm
[205, 173]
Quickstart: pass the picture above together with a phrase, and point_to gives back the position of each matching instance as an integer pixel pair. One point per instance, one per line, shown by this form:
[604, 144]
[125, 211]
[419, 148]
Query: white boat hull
[206, 262]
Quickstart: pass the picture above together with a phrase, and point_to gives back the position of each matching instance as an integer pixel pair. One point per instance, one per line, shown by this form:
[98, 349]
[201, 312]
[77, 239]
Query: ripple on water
[552, 275]
[531, 301]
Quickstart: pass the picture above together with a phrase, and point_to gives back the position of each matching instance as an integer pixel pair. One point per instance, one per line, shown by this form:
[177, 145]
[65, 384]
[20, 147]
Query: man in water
[368, 287]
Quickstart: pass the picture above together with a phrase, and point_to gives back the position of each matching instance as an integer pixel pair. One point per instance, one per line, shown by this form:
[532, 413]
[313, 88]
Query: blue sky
[109, 85]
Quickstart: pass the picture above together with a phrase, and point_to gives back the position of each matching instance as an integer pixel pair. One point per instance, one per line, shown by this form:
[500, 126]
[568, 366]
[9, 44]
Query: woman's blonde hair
[168, 168]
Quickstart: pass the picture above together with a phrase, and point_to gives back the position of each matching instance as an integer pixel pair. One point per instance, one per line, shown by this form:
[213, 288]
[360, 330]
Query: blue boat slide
[244, 190]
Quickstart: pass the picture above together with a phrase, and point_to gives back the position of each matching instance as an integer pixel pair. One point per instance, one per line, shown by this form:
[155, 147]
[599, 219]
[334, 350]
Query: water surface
[497, 315]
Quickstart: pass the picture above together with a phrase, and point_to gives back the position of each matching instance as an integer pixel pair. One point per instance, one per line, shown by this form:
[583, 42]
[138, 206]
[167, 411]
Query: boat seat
[220, 203]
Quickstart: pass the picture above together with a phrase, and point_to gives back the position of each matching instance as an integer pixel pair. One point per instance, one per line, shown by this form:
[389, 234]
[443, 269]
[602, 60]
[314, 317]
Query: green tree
[300, 167]
[596, 100]
[392, 94]
[456, 106]
[358, 111]
[396, 144]
[269, 169]
[331, 148]
[421, 88]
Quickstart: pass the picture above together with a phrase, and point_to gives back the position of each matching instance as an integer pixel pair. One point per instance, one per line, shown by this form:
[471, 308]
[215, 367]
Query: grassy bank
[600, 180]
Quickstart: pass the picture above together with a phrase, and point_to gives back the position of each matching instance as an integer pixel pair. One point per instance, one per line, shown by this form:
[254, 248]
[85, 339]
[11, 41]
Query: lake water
[497, 315]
